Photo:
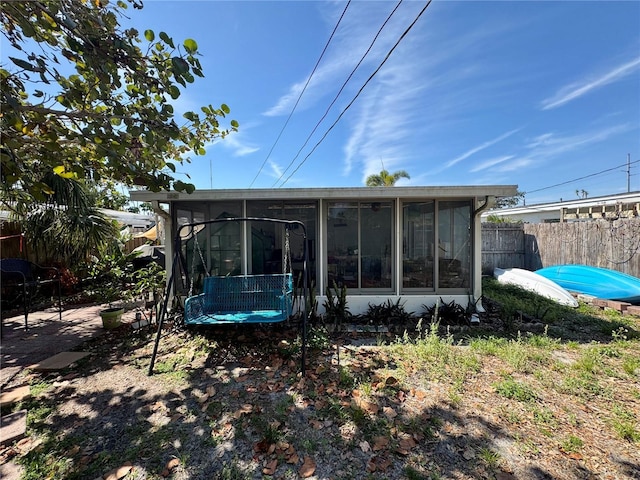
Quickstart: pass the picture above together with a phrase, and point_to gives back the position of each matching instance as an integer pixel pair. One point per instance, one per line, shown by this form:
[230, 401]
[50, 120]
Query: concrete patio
[47, 336]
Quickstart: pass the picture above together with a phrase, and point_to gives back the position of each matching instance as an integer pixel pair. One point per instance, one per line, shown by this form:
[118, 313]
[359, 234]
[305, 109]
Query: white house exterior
[609, 206]
[416, 244]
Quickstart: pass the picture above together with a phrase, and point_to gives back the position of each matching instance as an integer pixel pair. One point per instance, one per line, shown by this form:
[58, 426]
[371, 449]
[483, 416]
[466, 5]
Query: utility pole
[628, 172]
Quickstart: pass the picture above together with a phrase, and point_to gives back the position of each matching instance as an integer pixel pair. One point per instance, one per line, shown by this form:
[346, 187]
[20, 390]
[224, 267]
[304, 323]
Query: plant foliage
[386, 179]
[83, 97]
[335, 306]
[388, 313]
[446, 313]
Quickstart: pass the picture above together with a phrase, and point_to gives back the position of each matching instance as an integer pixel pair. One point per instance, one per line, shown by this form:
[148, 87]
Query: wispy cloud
[547, 147]
[276, 170]
[576, 90]
[234, 142]
[321, 81]
[550, 145]
[479, 148]
[490, 163]
[512, 166]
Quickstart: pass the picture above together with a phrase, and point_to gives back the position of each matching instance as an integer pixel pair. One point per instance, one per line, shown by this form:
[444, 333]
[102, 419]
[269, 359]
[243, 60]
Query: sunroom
[413, 244]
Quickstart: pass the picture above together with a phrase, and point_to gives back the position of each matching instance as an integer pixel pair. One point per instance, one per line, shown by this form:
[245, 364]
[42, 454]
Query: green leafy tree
[107, 195]
[507, 202]
[85, 98]
[385, 179]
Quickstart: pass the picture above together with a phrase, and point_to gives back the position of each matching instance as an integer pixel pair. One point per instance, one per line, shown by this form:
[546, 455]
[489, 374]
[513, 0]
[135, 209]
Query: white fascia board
[328, 193]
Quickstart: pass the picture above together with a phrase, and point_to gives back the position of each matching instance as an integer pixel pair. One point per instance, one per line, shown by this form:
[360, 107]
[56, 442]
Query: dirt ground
[232, 404]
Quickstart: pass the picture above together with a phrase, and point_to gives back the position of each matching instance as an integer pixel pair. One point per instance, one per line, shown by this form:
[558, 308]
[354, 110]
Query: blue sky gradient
[522, 92]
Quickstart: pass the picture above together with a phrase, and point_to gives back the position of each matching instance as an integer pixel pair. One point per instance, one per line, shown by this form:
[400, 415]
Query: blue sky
[528, 93]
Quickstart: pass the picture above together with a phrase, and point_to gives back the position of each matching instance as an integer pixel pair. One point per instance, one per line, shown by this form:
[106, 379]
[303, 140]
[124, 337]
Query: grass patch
[572, 444]
[490, 457]
[438, 357]
[625, 424]
[512, 389]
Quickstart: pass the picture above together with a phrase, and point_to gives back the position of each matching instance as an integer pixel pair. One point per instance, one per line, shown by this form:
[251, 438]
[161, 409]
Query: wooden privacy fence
[502, 246]
[613, 244]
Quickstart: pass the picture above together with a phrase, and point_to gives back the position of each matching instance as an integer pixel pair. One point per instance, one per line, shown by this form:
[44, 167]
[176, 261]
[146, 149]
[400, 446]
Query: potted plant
[111, 317]
[109, 278]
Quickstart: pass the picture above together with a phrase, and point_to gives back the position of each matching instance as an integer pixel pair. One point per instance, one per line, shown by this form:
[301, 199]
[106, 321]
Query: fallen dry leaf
[173, 463]
[316, 424]
[380, 443]
[389, 412]
[419, 393]
[118, 473]
[405, 445]
[270, 467]
[383, 464]
[308, 467]
[364, 446]
[391, 381]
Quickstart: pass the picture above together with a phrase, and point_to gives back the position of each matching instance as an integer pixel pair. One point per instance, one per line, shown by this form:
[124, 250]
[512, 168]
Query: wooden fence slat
[613, 244]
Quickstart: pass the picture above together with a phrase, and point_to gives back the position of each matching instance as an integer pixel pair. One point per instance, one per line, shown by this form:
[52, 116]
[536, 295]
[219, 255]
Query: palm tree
[66, 227]
[385, 179]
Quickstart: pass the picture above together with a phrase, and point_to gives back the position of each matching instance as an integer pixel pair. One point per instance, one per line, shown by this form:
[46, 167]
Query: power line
[338, 94]
[302, 92]
[582, 178]
[404, 34]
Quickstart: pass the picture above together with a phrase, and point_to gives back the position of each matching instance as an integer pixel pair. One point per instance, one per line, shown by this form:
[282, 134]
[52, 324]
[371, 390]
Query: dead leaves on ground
[308, 468]
[272, 452]
[118, 473]
[316, 393]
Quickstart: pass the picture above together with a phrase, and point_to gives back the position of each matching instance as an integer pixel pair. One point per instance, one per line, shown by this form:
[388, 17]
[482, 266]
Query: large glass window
[193, 244]
[375, 244]
[225, 239]
[359, 244]
[342, 244]
[454, 244]
[268, 240]
[418, 237]
[212, 249]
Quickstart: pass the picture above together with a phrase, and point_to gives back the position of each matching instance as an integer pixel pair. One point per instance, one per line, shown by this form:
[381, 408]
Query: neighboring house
[137, 222]
[416, 244]
[134, 222]
[609, 206]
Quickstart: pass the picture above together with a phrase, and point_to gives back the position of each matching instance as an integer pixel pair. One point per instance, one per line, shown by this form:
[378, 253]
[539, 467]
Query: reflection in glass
[267, 239]
[418, 238]
[375, 244]
[454, 244]
[359, 244]
[342, 244]
[226, 238]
